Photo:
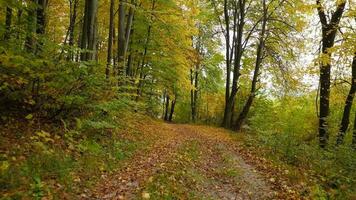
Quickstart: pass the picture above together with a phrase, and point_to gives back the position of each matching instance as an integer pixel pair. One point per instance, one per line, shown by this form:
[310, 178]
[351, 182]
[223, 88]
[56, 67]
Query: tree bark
[73, 18]
[170, 119]
[348, 105]
[228, 65]
[129, 23]
[167, 108]
[329, 31]
[88, 33]
[110, 40]
[41, 23]
[354, 134]
[121, 38]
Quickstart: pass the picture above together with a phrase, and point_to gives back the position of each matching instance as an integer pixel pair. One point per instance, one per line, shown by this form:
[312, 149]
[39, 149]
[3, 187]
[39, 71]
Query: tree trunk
[348, 105]
[354, 134]
[31, 28]
[329, 31]
[170, 119]
[240, 9]
[19, 18]
[110, 40]
[8, 21]
[72, 22]
[256, 73]
[228, 65]
[143, 62]
[167, 108]
[121, 38]
[88, 32]
[129, 23]
[41, 23]
[164, 103]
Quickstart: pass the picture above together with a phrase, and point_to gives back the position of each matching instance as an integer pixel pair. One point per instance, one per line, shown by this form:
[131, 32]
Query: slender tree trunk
[110, 40]
[167, 108]
[329, 31]
[192, 99]
[121, 38]
[348, 105]
[354, 134]
[19, 18]
[196, 86]
[228, 65]
[143, 62]
[8, 21]
[259, 57]
[164, 103]
[72, 22]
[128, 44]
[129, 23]
[172, 110]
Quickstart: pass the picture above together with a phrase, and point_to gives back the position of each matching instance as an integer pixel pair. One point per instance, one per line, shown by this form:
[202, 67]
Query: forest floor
[193, 162]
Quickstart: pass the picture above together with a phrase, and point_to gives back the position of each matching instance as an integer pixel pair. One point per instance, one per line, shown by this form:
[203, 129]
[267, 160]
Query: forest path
[188, 162]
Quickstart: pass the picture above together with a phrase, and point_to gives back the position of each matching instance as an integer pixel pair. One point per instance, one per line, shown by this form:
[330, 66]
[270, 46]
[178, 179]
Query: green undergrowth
[57, 165]
[318, 173]
[285, 132]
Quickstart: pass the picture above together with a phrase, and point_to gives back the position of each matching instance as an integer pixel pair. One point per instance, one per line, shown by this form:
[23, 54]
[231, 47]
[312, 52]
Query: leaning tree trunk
[348, 105]
[329, 31]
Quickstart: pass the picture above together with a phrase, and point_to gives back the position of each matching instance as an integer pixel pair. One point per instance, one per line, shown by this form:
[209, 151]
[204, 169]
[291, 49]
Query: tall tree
[259, 57]
[329, 31]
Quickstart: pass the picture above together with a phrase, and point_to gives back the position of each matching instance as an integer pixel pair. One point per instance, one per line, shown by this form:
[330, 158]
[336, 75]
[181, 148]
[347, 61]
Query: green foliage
[286, 129]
